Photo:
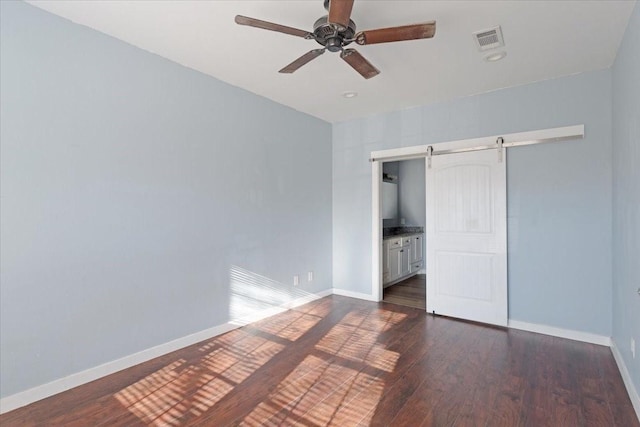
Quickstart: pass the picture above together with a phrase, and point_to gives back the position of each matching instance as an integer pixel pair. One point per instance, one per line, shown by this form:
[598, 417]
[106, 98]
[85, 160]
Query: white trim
[40, 392]
[626, 378]
[351, 294]
[376, 232]
[560, 332]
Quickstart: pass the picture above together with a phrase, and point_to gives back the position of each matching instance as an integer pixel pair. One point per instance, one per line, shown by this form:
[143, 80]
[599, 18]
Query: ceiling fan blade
[396, 34]
[340, 12]
[304, 59]
[359, 63]
[265, 25]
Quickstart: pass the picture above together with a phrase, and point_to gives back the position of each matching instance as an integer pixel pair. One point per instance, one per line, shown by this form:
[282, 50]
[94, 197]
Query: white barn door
[466, 236]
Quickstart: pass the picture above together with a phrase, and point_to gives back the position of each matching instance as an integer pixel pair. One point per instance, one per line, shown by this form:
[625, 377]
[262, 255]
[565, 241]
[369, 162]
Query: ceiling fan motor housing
[328, 36]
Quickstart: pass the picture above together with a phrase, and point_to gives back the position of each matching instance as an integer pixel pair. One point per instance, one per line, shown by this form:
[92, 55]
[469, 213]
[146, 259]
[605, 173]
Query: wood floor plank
[536, 395]
[411, 292]
[346, 362]
[475, 410]
[438, 375]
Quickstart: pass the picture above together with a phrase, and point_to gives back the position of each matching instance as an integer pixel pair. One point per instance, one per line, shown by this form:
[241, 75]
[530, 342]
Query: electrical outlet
[633, 347]
[310, 276]
[296, 280]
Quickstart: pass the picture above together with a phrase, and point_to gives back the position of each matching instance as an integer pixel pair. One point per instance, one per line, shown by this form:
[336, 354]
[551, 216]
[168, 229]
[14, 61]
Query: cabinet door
[386, 270]
[395, 261]
[416, 248]
[405, 264]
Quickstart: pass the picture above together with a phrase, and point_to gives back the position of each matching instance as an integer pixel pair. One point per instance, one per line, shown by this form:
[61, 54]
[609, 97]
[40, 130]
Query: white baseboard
[561, 333]
[40, 392]
[626, 378]
[351, 294]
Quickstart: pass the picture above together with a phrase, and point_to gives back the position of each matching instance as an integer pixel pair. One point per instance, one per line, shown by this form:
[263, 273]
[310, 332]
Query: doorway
[465, 184]
[462, 231]
[403, 224]
[452, 263]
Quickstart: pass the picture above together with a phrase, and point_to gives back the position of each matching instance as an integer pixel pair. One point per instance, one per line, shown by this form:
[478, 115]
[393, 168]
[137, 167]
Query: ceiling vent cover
[489, 39]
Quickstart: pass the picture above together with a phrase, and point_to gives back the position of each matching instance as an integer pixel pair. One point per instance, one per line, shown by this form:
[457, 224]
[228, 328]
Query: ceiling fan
[337, 30]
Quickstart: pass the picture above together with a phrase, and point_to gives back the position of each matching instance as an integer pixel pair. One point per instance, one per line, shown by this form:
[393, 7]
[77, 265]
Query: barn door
[466, 236]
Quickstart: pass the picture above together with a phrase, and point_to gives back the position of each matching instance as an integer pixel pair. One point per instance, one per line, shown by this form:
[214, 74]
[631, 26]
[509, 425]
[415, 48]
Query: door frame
[425, 151]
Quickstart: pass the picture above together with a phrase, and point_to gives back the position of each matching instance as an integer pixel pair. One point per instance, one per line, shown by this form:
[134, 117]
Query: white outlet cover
[296, 280]
[310, 276]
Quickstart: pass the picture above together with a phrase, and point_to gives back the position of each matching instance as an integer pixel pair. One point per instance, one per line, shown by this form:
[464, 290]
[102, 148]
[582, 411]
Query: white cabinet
[386, 267]
[402, 257]
[416, 248]
[404, 268]
[398, 262]
[392, 259]
[394, 263]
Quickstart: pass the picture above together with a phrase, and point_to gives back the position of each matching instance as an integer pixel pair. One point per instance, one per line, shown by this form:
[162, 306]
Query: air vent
[489, 39]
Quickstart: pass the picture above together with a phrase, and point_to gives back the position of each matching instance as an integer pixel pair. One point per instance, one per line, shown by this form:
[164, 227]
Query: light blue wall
[141, 199]
[626, 196]
[559, 195]
[392, 168]
[411, 192]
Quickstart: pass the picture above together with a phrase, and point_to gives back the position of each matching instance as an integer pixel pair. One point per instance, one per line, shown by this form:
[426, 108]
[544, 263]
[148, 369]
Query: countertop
[392, 232]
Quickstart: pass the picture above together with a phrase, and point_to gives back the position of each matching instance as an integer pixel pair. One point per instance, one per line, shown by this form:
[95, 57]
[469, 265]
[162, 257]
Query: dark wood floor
[345, 362]
[411, 292]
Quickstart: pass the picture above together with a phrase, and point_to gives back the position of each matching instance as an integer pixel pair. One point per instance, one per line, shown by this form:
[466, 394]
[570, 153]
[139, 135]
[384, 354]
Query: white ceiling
[544, 39]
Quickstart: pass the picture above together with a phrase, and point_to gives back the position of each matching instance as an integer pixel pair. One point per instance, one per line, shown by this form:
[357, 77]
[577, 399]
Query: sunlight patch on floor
[322, 389]
[356, 338]
[379, 320]
[338, 383]
[324, 395]
[166, 396]
[290, 325]
[358, 345]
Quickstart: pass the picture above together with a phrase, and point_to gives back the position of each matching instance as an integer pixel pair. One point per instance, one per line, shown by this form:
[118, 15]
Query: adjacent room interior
[194, 232]
[403, 215]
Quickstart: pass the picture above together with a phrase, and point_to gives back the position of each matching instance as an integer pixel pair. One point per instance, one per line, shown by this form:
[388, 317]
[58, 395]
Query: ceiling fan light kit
[336, 30]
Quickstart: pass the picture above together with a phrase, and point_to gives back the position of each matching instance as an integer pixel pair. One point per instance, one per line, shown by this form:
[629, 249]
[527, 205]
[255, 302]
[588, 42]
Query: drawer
[416, 266]
[395, 242]
[406, 241]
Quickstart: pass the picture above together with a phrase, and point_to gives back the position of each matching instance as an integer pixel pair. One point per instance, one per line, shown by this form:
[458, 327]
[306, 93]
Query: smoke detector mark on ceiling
[489, 39]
